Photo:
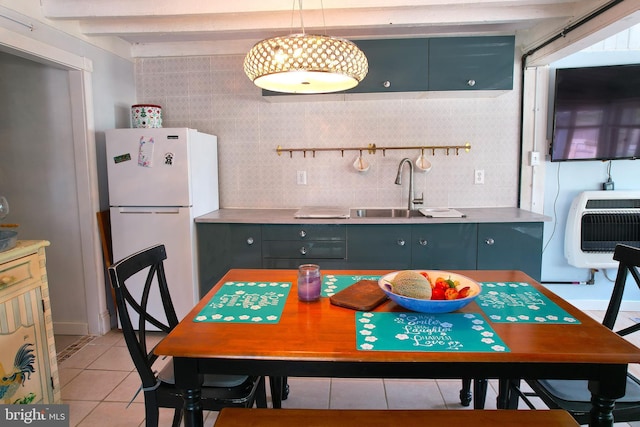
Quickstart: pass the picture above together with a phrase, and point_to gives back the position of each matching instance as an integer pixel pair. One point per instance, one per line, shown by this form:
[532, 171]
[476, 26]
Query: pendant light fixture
[305, 63]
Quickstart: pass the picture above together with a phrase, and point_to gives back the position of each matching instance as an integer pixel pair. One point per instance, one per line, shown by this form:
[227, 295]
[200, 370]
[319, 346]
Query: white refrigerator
[160, 179]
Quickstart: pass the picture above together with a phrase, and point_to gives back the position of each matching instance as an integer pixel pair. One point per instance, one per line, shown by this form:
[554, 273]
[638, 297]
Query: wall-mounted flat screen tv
[596, 113]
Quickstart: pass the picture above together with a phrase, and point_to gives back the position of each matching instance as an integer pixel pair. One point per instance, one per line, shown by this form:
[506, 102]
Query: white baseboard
[104, 323]
[69, 328]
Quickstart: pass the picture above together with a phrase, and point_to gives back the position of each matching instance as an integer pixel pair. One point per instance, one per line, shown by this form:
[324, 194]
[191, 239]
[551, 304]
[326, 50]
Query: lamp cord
[324, 22]
[293, 11]
[301, 20]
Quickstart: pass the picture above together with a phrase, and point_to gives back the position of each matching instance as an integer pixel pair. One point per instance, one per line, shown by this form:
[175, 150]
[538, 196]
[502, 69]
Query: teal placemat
[519, 302]
[332, 283]
[453, 332]
[246, 302]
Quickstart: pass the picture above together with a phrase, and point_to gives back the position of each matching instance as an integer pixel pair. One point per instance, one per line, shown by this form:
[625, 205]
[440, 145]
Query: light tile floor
[98, 381]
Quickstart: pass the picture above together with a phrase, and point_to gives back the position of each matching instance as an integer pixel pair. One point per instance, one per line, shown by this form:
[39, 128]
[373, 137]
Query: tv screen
[596, 113]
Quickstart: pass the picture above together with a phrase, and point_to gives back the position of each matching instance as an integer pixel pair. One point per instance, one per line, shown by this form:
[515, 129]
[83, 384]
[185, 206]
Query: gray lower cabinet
[443, 246]
[514, 246]
[288, 245]
[379, 246]
[222, 247]
[455, 246]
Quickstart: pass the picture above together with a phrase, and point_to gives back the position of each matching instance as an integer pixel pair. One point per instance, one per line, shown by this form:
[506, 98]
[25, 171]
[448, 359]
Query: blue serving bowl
[432, 306]
[8, 239]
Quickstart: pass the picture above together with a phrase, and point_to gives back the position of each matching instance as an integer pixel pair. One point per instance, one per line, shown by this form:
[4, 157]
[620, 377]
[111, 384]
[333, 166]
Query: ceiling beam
[282, 22]
[619, 18]
[84, 9]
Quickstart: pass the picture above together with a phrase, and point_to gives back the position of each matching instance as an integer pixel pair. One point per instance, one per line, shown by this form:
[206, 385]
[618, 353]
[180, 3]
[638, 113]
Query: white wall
[213, 95]
[37, 172]
[39, 161]
[564, 180]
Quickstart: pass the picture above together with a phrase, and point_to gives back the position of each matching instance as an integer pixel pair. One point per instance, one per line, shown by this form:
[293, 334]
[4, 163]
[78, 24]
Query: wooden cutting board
[323, 212]
[364, 295]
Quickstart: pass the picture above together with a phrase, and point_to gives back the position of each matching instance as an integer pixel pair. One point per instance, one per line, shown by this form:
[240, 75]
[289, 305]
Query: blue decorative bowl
[8, 239]
[428, 305]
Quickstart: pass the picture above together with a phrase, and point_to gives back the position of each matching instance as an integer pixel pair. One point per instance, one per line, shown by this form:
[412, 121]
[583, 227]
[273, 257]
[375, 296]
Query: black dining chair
[574, 395]
[478, 395]
[158, 385]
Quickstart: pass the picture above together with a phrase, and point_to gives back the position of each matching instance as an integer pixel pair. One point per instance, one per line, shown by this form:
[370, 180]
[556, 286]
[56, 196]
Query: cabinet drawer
[304, 232]
[18, 271]
[324, 263]
[307, 249]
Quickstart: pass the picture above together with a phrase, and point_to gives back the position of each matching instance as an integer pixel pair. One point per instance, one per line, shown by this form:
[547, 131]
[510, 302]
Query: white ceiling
[170, 27]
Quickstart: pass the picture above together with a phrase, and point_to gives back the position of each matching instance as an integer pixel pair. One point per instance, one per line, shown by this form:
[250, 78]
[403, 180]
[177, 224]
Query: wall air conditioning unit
[597, 221]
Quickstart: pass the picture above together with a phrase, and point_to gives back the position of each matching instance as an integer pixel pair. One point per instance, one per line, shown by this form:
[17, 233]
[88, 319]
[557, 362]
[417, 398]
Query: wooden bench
[243, 417]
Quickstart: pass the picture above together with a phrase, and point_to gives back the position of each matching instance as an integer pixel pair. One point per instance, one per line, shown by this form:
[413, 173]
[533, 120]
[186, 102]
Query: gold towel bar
[372, 148]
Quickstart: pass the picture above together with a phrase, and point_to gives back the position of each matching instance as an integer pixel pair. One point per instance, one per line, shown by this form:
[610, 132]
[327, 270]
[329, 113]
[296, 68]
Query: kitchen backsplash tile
[213, 95]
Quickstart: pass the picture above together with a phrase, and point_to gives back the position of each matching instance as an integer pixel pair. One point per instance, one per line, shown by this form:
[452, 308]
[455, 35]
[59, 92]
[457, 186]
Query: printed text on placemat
[246, 302]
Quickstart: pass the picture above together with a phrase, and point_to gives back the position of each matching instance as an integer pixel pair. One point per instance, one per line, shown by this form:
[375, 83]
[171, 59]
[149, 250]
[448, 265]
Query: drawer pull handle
[423, 242]
[303, 234]
[386, 84]
[5, 280]
[303, 250]
[471, 83]
[401, 242]
[489, 241]
[249, 240]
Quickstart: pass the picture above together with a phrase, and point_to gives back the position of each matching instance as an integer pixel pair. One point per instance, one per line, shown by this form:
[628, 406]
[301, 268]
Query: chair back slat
[629, 261]
[150, 259]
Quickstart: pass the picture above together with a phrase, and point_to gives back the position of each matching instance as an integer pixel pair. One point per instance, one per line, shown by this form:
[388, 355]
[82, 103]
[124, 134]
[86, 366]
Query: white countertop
[286, 216]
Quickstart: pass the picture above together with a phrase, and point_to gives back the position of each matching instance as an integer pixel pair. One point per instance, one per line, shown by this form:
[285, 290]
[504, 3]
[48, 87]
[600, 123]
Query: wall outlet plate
[478, 176]
[301, 177]
[534, 158]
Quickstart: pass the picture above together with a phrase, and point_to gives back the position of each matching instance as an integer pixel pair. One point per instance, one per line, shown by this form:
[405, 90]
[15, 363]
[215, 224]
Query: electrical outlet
[301, 177]
[479, 176]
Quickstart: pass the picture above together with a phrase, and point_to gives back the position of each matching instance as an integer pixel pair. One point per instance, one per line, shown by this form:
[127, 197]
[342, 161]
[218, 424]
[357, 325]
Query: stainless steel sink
[385, 213]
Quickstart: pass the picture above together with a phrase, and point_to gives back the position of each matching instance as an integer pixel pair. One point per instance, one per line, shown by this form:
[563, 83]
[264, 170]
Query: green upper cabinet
[395, 65]
[434, 64]
[471, 63]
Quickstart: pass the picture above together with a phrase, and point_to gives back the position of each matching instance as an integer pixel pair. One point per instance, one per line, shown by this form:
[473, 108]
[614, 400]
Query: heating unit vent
[597, 221]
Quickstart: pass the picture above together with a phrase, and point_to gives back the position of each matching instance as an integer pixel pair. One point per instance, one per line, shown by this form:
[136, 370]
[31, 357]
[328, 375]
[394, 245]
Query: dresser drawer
[323, 249]
[19, 271]
[304, 232]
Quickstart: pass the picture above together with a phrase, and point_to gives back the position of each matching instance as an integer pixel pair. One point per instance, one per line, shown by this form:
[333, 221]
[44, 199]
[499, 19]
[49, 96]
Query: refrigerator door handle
[149, 210]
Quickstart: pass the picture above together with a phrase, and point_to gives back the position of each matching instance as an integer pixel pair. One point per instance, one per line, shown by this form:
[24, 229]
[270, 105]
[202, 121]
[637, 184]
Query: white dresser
[26, 328]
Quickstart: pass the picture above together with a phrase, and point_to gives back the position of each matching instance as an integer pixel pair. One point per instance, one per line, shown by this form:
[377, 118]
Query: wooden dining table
[318, 339]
